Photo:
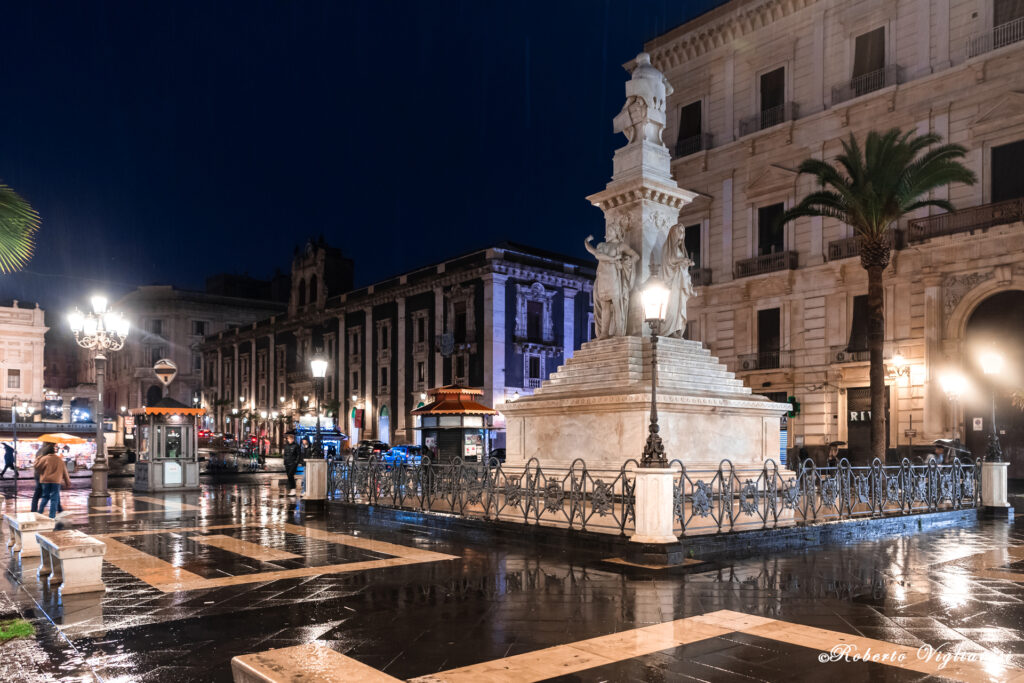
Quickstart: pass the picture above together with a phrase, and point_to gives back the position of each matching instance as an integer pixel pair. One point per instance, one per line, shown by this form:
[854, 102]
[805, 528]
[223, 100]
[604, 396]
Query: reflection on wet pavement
[195, 579]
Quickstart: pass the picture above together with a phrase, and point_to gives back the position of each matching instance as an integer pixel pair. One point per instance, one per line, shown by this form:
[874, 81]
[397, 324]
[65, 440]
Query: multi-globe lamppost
[992, 365]
[101, 331]
[654, 298]
[318, 364]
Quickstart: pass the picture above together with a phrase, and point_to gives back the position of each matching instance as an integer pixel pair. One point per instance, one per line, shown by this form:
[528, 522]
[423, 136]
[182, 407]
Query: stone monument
[597, 405]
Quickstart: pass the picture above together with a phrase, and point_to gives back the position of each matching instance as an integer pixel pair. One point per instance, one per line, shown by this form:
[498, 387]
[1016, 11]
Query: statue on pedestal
[675, 271]
[613, 286]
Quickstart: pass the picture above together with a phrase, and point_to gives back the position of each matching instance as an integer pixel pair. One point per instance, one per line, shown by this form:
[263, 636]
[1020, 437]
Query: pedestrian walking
[9, 461]
[52, 472]
[291, 456]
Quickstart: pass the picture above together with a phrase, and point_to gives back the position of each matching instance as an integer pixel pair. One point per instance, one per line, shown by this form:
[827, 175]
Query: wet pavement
[196, 579]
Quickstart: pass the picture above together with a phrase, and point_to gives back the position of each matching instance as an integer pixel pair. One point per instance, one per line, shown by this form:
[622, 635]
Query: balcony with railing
[767, 263]
[843, 354]
[995, 38]
[966, 220]
[865, 83]
[767, 118]
[700, 277]
[849, 247]
[692, 144]
[533, 382]
[765, 360]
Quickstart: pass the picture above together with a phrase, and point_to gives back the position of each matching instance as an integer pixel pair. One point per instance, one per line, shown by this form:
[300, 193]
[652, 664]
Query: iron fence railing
[576, 498]
[700, 277]
[766, 118]
[765, 360]
[692, 144]
[706, 501]
[966, 220]
[866, 83]
[767, 263]
[995, 38]
[730, 499]
[848, 247]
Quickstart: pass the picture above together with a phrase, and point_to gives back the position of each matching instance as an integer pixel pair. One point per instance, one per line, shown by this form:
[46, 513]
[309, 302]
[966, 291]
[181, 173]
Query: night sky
[163, 142]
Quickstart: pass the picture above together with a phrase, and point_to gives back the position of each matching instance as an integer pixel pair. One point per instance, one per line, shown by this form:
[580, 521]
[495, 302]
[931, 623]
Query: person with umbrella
[52, 472]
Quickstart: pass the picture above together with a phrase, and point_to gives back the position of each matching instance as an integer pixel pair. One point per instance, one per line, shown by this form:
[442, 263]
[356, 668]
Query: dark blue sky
[163, 142]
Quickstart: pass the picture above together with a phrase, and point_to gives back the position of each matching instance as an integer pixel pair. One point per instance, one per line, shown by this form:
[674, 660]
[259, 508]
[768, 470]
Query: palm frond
[19, 223]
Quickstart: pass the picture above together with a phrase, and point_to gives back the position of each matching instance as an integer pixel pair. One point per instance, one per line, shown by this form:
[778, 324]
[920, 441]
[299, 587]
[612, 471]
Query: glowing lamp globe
[991, 362]
[654, 298]
[319, 366]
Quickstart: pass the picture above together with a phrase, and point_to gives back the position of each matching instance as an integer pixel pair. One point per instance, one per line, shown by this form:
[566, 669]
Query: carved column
[934, 398]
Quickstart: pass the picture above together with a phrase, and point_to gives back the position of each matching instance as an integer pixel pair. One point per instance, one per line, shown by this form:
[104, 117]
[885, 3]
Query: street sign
[978, 424]
[165, 370]
[910, 433]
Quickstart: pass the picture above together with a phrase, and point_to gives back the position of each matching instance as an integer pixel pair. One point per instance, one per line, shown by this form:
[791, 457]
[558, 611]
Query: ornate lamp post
[654, 298]
[318, 364]
[953, 384]
[16, 410]
[992, 365]
[101, 331]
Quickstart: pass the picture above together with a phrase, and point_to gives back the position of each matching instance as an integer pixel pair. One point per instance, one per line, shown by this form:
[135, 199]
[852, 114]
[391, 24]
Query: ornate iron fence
[732, 499]
[575, 498]
[706, 501]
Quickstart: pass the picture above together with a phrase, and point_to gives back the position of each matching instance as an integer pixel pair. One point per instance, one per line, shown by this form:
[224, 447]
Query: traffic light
[791, 400]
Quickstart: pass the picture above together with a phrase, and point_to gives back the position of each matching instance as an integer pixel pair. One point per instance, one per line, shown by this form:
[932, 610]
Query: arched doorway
[385, 425]
[996, 324]
[154, 394]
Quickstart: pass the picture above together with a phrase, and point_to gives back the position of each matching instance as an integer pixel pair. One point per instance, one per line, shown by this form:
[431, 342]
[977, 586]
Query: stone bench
[283, 482]
[23, 527]
[309, 663]
[72, 559]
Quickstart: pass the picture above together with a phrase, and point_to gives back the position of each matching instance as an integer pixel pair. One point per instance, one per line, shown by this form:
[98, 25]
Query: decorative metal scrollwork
[829, 491]
[701, 499]
[554, 496]
[602, 498]
[749, 497]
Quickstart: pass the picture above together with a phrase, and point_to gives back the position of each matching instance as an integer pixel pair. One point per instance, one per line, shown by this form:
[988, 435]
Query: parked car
[365, 448]
[403, 455]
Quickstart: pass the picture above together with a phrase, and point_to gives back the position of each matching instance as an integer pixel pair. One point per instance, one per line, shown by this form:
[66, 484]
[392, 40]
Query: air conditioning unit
[750, 365]
[840, 356]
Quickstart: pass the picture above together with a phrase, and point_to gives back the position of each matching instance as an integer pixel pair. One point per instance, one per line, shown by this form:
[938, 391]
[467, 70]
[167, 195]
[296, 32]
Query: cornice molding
[703, 39]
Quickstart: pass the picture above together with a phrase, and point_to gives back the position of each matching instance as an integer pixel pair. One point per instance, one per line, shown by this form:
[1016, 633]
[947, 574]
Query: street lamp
[654, 298]
[953, 384]
[100, 331]
[318, 364]
[898, 367]
[992, 364]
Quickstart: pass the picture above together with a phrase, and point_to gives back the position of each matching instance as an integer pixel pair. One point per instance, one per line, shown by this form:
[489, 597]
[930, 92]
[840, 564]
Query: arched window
[312, 288]
[154, 394]
[302, 292]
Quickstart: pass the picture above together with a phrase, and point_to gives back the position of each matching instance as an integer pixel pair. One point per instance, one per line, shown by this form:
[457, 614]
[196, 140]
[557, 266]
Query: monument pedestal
[597, 407]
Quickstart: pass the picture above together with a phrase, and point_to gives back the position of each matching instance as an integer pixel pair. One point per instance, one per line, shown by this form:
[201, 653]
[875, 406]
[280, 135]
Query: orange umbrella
[61, 437]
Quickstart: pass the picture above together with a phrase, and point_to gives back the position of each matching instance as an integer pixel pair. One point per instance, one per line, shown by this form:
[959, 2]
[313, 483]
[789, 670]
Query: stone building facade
[498, 319]
[167, 323]
[760, 85]
[22, 341]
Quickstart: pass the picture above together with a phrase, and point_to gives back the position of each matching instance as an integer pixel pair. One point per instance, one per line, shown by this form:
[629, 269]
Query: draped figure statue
[675, 271]
[613, 286]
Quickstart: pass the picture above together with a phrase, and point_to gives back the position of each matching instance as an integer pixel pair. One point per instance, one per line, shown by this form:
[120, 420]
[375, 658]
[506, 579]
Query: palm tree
[870, 190]
[18, 225]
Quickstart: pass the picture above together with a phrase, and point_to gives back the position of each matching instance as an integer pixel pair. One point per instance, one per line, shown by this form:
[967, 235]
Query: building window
[155, 354]
[353, 341]
[859, 325]
[355, 382]
[460, 367]
[385, 335]
[768, 338]
[313, 287]
[459, 324]
[302, 292]
[421, 329]
[384, 379]
[155, 326]
[533, 370]
[773, 96]
[1005, 11]
[14, 379]
[770, 232]
[869, 52]
[690, 129]
[534, 321]
[691, 240]
[263, 394]
[199, 328]
[197, 362]
[1007, 183]
[421, 372]
[534, 367]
